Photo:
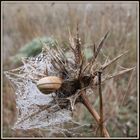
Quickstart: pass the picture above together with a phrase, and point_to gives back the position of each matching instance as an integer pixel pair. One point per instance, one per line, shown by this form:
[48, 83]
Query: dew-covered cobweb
[34, 109]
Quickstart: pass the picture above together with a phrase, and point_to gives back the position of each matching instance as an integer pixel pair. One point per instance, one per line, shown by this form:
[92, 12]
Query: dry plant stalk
[101, 103]
[98, 73]
[85, 101]
[75, 79]
[93, 112]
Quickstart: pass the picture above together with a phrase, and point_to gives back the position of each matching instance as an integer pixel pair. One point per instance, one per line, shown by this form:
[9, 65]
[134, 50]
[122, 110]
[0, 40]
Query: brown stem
[101, 103]
[93, 112]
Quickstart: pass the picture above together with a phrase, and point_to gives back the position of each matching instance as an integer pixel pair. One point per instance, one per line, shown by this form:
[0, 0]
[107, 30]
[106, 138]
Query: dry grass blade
[113, 76]
[15, 75]
[60, 51]
[112, 61]
[118, 74]
[60, 67]
[17, 69]
[71, 40]
[57, 62]
[96, 51]
[99, 47]
[81, 66]
[128, 87]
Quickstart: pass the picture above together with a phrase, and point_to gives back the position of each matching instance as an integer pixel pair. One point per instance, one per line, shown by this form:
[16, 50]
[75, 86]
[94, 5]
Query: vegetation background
[22, 22]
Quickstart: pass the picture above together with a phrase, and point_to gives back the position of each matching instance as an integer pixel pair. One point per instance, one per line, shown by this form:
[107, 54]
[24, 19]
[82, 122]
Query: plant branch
[96, 51]
[101, 103]
[112, 61]
[93, 112]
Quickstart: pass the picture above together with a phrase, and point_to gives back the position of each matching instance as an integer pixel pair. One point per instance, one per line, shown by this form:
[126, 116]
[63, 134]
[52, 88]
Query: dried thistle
[76, 79]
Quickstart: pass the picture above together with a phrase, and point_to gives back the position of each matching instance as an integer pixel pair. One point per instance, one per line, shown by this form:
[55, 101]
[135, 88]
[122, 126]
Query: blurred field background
[24, 22]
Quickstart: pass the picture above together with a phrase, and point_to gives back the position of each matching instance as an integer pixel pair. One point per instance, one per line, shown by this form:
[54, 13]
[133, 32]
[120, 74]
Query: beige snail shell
[49, 84]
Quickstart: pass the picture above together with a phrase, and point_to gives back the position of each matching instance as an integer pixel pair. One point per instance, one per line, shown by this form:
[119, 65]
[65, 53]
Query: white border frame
[74, 2]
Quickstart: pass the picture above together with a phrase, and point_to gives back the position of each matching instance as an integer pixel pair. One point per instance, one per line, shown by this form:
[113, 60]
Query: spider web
[34, 109]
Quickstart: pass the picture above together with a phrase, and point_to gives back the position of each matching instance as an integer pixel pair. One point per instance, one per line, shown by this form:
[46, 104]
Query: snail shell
[49, 84]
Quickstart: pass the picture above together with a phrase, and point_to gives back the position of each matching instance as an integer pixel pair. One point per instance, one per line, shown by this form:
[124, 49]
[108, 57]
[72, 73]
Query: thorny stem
[93, 112]
[96, 51]
[85, 99]
[101, 102]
